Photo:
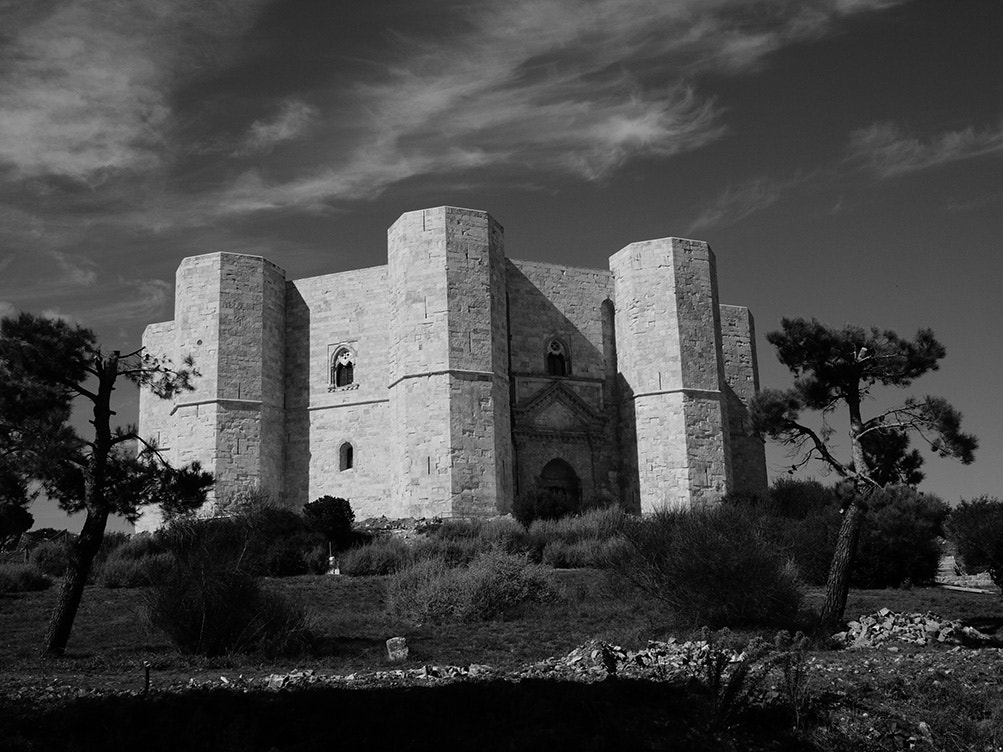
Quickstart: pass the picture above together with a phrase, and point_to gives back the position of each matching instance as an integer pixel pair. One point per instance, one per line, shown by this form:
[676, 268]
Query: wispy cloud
[7, 309]
[85, 84]
[136, 299]
[739, 201]
[293, 118]
[957, 206]
[887, 151]
[75, 271]
[546, 87]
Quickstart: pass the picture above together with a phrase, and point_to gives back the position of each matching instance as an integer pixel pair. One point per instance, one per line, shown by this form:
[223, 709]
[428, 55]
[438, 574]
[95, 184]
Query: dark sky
[843, 157]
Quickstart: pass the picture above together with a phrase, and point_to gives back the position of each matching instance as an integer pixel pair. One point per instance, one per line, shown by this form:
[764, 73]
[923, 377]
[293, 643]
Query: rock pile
[918, 629]
[597, 660]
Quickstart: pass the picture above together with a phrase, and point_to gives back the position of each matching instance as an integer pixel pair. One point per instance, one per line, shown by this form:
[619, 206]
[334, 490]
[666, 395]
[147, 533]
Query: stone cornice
[472, 375]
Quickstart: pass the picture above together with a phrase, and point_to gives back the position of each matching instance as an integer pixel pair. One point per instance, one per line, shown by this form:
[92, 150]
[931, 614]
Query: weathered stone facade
[453, 378]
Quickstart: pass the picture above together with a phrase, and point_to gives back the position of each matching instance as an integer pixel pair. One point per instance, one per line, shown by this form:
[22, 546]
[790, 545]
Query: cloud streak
[552, 87]
[737, 202]
[293, 119]
[85, 85]
[887, 151]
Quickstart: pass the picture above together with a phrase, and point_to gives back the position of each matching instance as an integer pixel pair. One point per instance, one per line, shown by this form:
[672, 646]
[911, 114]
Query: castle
[453, 378]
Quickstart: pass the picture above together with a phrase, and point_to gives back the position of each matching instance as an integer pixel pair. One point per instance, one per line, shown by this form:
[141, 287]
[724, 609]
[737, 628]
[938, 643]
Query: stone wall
[748, 451]
[548, 301]
[349, 309]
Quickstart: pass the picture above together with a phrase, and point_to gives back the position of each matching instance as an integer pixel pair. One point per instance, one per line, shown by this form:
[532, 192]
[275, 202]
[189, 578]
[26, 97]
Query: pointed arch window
[556, 358]
[342, 368]
[346, 457]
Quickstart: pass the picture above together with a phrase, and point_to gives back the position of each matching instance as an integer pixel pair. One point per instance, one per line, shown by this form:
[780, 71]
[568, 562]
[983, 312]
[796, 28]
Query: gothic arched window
[342, 367]
[557, 360]
[346, 457]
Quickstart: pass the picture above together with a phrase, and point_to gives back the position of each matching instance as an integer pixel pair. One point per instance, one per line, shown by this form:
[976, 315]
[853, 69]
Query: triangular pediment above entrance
[557, 417]
[558, 409]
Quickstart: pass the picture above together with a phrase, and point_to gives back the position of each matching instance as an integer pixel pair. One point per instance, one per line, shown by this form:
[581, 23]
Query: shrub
[497, 582]
[798, 499]
[590, 552]
[899, 540]
[22, 578]
[332, 518]
[711, 566]
[125, 572]
[808, 542]
[505, 534]
[52, 557]
[269, 540]
[493, 584]
[286, 556]
[457, 530]
[378, 558]
[599, 524]
[139, 546]
[245, 502]
[976, 527]
[543, 504]
[453, 552]
[208, 603]
[425, 591]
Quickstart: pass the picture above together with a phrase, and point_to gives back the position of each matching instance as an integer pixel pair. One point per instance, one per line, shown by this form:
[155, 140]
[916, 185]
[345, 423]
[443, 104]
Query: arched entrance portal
[560, 479]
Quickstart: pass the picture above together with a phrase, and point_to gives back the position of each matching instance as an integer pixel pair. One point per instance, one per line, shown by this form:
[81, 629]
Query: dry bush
[380, 557]
[493, 584]
[711, 566]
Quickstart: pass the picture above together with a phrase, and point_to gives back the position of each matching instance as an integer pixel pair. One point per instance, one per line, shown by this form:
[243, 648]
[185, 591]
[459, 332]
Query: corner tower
[230, 316]
[674, 423]
[448, 380]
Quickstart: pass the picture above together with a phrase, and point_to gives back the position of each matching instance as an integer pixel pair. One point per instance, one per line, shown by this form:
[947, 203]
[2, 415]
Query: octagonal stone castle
[453, 378]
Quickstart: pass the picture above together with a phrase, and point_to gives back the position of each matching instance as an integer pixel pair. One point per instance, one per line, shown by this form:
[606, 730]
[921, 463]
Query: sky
[844, 158]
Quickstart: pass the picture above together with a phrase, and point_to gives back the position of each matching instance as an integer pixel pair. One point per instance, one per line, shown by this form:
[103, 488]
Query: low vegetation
[711, 567]
[900, 536]
[493, 584]
[976, 527]
[199, 603]
[208, 600]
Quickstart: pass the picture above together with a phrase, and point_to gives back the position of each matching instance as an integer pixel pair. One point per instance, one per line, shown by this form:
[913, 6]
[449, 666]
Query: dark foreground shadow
[529, 715]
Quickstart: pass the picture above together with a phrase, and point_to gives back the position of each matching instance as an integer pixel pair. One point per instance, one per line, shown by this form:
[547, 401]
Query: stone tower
[448, 379]
[673, 411]
[230, 316]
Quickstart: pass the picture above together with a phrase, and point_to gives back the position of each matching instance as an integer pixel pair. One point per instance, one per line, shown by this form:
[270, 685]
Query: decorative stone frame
[345, 352]
[556, 357]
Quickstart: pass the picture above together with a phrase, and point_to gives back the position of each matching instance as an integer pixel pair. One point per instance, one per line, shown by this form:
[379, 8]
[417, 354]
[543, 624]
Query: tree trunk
[86, 547]
[838, 585]
[81, 556]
